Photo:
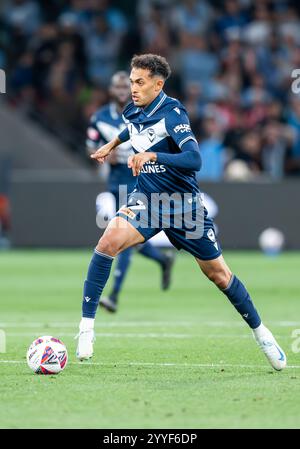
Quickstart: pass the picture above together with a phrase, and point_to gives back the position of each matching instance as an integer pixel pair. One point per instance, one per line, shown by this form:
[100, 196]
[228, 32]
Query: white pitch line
[100, 324]
[109, 335]
[58, 324]
[146, 335]
[157, 364]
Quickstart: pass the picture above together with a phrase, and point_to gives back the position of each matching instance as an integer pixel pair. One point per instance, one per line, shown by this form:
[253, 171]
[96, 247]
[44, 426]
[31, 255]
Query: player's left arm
[188, 159]
[179, 129]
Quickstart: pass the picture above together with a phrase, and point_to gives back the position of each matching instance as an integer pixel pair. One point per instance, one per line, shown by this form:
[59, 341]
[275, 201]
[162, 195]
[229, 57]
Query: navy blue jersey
[104, 126]
[161, 127]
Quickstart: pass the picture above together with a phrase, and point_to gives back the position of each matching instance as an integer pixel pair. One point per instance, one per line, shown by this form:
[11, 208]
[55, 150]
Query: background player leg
[118, 236]
[110, 302]
[165, 261]
[219, 273]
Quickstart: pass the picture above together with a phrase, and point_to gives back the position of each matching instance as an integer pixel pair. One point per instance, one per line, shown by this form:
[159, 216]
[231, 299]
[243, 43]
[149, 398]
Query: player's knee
[107, 246]
[220, 278]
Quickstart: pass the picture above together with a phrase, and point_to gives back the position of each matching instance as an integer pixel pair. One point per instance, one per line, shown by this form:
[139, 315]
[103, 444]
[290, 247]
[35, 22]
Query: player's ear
[159, 83]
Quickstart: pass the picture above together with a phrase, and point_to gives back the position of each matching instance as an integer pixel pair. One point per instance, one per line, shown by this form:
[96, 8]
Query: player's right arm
[101, 154]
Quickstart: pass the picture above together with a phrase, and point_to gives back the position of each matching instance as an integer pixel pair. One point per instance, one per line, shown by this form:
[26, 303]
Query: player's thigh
[216, 270]
[118, 235]
[200, 243]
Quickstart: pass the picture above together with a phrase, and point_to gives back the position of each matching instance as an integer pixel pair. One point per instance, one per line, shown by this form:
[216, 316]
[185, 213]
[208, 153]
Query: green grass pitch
[176, 359]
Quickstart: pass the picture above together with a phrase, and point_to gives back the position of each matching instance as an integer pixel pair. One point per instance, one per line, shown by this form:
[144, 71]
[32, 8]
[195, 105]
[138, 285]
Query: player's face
[120, 91]
[144, 87]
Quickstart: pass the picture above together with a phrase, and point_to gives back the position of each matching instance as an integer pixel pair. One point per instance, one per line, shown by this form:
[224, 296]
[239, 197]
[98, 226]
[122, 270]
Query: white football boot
[270, 347]
[85, 346]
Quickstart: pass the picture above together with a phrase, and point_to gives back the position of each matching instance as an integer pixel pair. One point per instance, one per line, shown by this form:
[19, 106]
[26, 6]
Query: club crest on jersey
[151, 134]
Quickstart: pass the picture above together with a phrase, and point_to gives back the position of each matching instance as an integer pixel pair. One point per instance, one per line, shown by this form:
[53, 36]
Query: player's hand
[112, 158]
[101, 154]
[137, 161]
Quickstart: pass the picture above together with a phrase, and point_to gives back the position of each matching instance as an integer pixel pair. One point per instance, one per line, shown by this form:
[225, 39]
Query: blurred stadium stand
[31, 148]
[232, 63]
[5, 217]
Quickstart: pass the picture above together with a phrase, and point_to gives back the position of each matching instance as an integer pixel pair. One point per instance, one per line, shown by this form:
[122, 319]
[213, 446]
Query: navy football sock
[97, 276]
[149, 250]
[123, 263]
[240, 299]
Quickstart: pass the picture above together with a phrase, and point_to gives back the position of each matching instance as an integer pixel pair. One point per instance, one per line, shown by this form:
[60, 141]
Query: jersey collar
[156, 103]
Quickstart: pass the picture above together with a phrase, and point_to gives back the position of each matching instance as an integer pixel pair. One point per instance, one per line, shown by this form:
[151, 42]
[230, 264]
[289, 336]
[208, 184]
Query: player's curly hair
[157, 65]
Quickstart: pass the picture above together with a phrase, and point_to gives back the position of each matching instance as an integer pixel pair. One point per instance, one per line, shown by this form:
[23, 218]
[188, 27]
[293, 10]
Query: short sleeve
[178, 127]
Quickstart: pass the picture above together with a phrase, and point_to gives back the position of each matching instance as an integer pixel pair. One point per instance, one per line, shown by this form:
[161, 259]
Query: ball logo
[49, 356]
[62, 357]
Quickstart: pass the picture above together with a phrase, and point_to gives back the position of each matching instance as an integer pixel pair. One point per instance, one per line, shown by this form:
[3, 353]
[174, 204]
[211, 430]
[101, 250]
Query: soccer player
[105, 125]
[165, 161]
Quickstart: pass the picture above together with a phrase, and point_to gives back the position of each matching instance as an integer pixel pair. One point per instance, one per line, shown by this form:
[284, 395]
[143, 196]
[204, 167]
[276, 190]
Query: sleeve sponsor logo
[183, 128]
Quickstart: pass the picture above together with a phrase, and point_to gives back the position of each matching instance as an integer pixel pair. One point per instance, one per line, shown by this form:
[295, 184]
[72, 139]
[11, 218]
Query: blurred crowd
[232, 63]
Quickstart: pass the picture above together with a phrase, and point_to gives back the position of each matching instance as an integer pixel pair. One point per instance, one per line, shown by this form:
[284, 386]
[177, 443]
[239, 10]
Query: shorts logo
[151, 134]
[183, 128]
[211, 235]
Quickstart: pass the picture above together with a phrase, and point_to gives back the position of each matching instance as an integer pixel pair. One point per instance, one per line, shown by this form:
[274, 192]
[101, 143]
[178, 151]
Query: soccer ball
[47, 355]
[271, 241]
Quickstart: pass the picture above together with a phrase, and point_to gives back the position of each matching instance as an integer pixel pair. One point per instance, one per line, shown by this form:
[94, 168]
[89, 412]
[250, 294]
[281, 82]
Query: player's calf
[218, 272]
[113, 241]
[220, 277]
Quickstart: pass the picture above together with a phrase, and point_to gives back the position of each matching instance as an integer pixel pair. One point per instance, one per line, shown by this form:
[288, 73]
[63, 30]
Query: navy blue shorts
[184, 221]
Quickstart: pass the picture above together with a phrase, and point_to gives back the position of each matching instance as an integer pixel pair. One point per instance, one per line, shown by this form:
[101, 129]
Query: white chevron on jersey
[148, 137]
[109, 132]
